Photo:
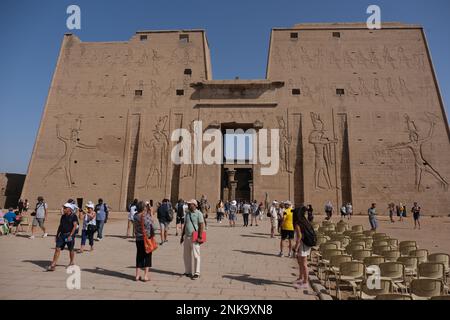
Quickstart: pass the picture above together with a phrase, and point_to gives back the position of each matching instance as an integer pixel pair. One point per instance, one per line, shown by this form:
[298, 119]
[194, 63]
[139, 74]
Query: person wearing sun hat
[194, 221]
[65, 236]
[89, 226]
[232, 213]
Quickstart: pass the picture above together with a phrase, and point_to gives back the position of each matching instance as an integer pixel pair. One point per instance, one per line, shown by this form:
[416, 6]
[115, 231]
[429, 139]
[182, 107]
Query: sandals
[51, 268]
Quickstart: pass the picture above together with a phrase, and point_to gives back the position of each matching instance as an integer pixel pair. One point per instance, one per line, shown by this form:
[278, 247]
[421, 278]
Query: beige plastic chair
[379, 243]
[314, 250]
[324, 262]
[411, 264]
[358, 228]
[354, 247]
[369, 243]
[333, 267]
[369, 233]
[407, 244]
[380, 237]
[391, 255]
[315, 226]
[360, 255]
[393, 296]
[371, 294]
[378, 250]
[357, 236]
[352, 273]
[420, 254]
[431, 270]
[327, 223]
[340, 228]
[406, 250]
[340, 237]
[393, 242]
[25, 223]
[358, 242]
[423, 289]
[336, 242]
[374, 261]
[348, 233]
[395, 272]
[441, 258]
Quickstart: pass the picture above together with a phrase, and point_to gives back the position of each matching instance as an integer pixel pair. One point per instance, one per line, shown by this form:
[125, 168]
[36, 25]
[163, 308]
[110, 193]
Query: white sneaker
[31, 237]
[45, 235]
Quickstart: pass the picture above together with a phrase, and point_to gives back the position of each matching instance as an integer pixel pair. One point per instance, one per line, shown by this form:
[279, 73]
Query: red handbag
[195, 233]
[150, 244]
[195, 237]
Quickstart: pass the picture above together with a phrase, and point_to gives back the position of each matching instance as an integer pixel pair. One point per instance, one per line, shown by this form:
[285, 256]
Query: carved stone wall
[359, 115]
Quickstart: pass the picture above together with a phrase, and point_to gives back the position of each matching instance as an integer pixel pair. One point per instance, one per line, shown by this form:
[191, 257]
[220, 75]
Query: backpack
[180, 210]
[309, 236]
[167, 211]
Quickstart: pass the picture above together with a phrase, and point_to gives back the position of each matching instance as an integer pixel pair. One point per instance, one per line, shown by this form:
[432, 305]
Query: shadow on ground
[250, 236]
[111, 273]
[257, 253]
[258, 281]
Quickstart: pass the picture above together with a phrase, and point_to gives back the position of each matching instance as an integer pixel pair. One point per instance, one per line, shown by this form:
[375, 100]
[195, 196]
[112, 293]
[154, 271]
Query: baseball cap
[193, 201]
[90, 204]
[69, 205]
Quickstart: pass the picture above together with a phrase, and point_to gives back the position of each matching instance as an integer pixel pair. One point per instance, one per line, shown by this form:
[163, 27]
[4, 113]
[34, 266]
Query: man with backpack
[101, 210]
[165, 217]
[181, 209]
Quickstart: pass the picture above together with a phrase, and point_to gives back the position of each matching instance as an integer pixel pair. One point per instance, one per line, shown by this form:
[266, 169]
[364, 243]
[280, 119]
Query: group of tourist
[190, 220]
[400, 210]
[293, 225]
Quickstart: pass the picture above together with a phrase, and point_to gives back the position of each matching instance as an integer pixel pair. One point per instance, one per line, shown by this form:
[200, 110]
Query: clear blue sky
[238, 32]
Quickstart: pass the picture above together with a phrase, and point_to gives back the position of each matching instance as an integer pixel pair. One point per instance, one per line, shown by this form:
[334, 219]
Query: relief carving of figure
[187, 170]
[403, 58]
[415, 144]
[71, 143]
[348, 60]
[285, 143]
[306, 59]
[388, 59]
[322, 149]
[158, 147]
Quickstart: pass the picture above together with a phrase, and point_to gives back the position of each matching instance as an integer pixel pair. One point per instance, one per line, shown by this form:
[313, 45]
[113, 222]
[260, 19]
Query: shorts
[180, 220]
[274, 222]
[416, 216]
[304, 250]
[164, 225]
[61, 242]
[232, 217]
[287, 234]
[38, 221]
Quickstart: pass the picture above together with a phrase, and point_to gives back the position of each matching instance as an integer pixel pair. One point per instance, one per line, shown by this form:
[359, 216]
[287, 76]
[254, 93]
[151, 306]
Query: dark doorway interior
[243, 178]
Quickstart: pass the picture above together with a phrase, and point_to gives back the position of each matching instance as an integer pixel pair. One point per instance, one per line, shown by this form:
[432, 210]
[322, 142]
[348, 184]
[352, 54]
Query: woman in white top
[89, 226]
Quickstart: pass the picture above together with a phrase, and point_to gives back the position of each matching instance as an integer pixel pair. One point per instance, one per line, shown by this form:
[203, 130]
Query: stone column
[250, 183]
[232, 184]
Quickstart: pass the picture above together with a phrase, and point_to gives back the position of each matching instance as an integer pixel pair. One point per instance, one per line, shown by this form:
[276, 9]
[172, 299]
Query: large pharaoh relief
[68, 129]
[285, 143]
[157, 146]
[323, 153]
[415, 144]
[187, 170]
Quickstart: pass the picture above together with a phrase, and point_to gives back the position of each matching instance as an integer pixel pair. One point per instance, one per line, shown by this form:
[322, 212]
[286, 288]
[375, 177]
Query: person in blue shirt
[10, 216]
[101, 210]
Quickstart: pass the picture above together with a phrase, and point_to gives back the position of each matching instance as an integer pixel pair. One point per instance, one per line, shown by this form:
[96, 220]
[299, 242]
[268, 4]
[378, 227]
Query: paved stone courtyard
[237, 263]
